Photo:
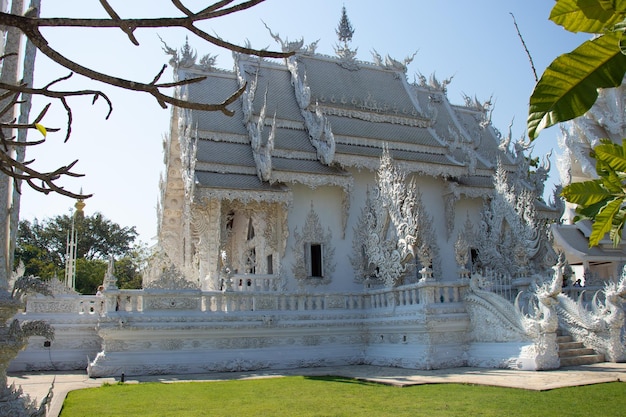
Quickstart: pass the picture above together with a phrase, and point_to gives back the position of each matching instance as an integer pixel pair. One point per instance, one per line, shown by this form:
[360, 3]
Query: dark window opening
[474, 259]
[316, 260]
[250, 230]
[250, 267]
[270, 264]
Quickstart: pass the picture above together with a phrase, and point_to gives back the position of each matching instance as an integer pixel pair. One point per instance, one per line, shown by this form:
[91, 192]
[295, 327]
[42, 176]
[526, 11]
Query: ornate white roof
[323, 117]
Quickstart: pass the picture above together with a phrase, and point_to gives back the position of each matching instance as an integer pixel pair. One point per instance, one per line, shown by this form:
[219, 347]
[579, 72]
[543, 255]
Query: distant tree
[42, 247]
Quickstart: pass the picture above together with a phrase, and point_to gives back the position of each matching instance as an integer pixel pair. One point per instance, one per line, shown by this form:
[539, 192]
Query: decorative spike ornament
[344, 30]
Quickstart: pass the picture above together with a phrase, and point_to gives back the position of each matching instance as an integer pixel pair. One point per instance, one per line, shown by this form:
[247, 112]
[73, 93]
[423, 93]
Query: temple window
[230, 217]
[250, 267]
[270, 264]
[313, 252]
[315, 259]
[250, 230]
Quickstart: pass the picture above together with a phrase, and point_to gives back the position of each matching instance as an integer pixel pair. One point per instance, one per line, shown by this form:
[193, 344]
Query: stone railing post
[427, 295]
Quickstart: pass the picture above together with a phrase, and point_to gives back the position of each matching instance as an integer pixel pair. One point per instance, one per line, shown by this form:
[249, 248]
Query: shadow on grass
[344, 380]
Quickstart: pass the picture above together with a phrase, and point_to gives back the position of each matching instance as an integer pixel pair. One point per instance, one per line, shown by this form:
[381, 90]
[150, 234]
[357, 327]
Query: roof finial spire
[344, 30]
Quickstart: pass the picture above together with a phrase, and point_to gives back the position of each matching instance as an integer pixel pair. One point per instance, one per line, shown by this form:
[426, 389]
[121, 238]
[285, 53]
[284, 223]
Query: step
[582, 351]
[564, 339]
[570, 345]
[581, 360]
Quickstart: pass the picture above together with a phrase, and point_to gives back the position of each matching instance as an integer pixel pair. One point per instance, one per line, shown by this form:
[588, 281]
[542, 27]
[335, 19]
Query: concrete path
[37, 385]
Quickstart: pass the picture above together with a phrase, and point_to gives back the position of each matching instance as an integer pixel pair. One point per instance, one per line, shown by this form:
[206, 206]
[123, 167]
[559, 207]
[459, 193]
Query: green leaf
[618, 227]
[568, 87]
[618, 5]
[612, 182]
[612, 155]
[604, 221]
[591, 211]
[585, 193]
[621, 28]
[591, 16]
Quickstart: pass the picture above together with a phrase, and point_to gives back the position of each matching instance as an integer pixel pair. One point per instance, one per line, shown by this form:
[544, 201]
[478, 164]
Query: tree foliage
[42, 246]
[568, 87]
[602, 199]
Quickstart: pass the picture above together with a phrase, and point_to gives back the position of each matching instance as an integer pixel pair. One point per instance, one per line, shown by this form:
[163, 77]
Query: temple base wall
[137, 332]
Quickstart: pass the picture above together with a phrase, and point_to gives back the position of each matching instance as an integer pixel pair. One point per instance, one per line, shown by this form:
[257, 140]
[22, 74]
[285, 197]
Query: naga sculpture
[600, 326]
[14, 338]
[494, 319]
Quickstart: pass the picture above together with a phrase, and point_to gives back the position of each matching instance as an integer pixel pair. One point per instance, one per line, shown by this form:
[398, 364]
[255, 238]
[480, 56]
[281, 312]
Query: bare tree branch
[115, 17]
[521, 38]
[30, 24]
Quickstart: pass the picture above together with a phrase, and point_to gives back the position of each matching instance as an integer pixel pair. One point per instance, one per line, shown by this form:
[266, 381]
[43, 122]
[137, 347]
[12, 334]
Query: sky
[475, 42]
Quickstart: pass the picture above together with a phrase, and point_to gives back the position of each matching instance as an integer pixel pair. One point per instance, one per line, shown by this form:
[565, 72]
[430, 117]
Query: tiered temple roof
[366, 105]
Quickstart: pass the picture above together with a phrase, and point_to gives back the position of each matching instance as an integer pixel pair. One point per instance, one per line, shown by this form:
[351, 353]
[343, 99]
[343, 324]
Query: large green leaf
[591, 16]
[612, 155]
[612, 182]
[618, 227]
[604, 221]
[590, 212]
[585, 193]
[568, 87]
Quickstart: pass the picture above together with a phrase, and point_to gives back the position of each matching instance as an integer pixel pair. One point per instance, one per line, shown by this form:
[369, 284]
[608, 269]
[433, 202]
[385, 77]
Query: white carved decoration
[378, 116]
[318, 127]
[295, 46]
[347, 57]
[605, 119]
[364, 270]
[110, 280]
[599, 327]
[462, 247]
[312, 232]
[449, 201]
[59, 288]
[205, 225]
[510, 226]
[261, 148]
[246, 251]
[245, 196]
[397, 226]
[485, 109]
[14, 338]
[392, 64]
[434, 84]
[171, 279]
[495, 319]
[262, 151]
[186, 57]
[177, 197]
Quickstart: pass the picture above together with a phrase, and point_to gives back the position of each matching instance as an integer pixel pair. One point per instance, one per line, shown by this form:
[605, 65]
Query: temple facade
[338, 214]
[280, 193]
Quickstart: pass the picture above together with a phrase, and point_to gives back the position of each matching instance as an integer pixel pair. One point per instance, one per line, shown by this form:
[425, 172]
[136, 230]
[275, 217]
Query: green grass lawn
[334, 396]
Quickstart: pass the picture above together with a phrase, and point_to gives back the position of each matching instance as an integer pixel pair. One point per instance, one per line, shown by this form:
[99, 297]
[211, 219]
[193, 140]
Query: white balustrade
[139, 301]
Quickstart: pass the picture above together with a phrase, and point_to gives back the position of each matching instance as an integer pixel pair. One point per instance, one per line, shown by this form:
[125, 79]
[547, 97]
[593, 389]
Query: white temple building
[342, 215]
[282, 188]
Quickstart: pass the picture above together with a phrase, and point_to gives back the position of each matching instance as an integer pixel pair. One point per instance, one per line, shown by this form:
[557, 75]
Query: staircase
[573, 353]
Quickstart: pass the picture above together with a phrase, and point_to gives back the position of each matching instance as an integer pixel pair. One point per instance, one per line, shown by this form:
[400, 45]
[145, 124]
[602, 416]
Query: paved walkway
[37, 385]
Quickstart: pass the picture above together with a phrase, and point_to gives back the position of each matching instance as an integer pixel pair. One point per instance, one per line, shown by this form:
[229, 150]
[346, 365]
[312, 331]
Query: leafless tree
[15, 94]
[30, 25]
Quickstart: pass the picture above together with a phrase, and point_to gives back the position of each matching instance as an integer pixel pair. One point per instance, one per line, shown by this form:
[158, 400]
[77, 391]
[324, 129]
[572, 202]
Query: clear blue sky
[474, 41]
